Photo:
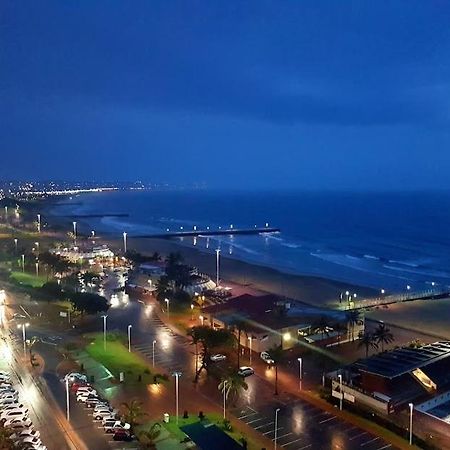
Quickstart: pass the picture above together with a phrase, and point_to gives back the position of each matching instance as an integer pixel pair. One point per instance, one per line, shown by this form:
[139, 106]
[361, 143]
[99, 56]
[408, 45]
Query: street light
[411, 409]
[224, 398]
[24, 337]
[382, 291]
[217, 266]
[104, 331]
[74, 230]
[192, 311]
[276, 429]
[201, 319]
[23, 263]
[167, 303]
[15, 246]
[129, 337]
[67, 400]
[300, 373]
[37, 268]
[177, 375]
[341, 394]
[153, 353]
[39, 223]
[124, 242]
[37, 247]
[250, 347]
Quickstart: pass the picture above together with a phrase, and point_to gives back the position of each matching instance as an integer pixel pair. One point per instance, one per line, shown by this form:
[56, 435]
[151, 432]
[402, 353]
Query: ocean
[381, 240]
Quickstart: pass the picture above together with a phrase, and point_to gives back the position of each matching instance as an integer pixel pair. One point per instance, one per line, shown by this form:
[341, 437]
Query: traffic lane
[80, 421]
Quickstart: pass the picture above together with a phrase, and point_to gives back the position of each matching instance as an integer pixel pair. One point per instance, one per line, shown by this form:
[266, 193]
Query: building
[268, 321]
[76, 254]
[391, 380]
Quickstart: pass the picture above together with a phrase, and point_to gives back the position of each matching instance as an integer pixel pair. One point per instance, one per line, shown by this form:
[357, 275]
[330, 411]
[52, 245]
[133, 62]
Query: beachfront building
[76, 254]
[268, 321]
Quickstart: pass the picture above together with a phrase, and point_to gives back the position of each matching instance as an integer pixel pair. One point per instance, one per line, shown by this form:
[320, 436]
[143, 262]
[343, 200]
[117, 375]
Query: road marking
[327, 420]
[386, 446]
[368, 442]
[265, 425]
[247, 415]
[256, 420]
[359, 435]
[272, 431]
[283, 435]
[306, 446]
[292, 442]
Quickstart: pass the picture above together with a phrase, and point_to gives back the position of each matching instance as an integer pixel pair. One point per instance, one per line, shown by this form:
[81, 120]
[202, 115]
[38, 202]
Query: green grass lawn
[117, 359]
[28, 279]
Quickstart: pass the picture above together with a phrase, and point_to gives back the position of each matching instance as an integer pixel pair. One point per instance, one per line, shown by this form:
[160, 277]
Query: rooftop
[404, 360]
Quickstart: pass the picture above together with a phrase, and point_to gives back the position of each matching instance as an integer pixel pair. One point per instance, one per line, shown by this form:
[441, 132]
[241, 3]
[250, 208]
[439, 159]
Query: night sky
[285, 94]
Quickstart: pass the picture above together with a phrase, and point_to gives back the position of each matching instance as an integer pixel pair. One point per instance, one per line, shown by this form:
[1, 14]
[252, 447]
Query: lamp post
[411, 409]
[37, 247]
[104, 332]
[37, 268]
[201, 319]
[153, 353]
[15, 246]
[224, 398]
[177, 375]
[192, 311]
[300, 373]
[74, 230]
[24, 337]
[124, 242]
[129, 337]
[276, 429]
[23, 263]
[167, 303]
[250, 347]
[217, 266]
[39, 223]
[67, 400]
[340, 391]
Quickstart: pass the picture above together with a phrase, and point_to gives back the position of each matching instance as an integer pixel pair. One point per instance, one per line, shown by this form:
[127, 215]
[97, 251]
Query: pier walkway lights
[267, 224]
[231, 226]
[195, 227]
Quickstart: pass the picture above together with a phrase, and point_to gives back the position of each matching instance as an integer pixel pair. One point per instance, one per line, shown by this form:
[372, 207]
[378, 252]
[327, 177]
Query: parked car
[26, 432]
[18, 423]
[103, 413]
[245, 371]
[32, 440]
[75, 386]
[76, 377]
[110, 426]
[13, 406]
[266, 358]
[122, 435]
[14, 414]
[218, 357]
[97, 401]
[83, 398]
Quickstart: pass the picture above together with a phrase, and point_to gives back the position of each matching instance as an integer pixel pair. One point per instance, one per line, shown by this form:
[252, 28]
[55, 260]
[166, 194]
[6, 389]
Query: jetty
[208, 232]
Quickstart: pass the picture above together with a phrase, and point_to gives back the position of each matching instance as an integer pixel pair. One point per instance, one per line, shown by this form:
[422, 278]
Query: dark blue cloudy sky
[309, 94]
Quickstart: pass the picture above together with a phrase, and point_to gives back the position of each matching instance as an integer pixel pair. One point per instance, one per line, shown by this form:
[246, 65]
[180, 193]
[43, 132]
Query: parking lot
[303, 426]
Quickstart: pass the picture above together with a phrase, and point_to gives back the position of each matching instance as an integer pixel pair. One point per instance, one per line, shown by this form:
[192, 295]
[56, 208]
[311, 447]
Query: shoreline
[312, 290]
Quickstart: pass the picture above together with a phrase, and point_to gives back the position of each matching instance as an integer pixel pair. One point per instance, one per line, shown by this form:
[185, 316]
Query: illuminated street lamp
[411, 409]
[67, 400]
[24, 337]
[15, 245]
[341, 394]
[300, 373]
[250, 348]
[23, 263]
[129, 337]
[124, 242]
[177, 375]
[192, 311]
[39, 223]
[217, 266]
[383, 291]
[37, 247]
[104, 331]
[276, 429]
[74, 230]
[37, 268]
[153, 353]
[224, 398]
[167, 303]
[201, 319]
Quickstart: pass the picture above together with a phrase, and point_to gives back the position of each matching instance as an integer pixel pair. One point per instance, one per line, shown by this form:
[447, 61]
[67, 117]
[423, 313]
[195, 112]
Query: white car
[83, 398]
[26, 432]
[88, 389]
[218, 357]
[104, 413]
[7, 389]
[266, 358]
[245, 371]
[12, 406]
[16, 424]
[8, 395]
[33, 440]
[75, 376]
[103, 404]
[111, 425]
[14, 414]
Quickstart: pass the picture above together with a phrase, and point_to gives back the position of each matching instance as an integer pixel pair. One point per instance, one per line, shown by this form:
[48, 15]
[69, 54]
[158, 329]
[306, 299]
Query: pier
[200, 233]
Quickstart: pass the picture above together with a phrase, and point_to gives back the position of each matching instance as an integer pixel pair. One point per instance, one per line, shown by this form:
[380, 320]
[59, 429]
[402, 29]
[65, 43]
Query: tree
[339, 328]
[163, 288]
[233, 384]
[147, 438]
[55, 263]
[209, 339]
[88, 277]
[133, 412]
[353, 317]
[5, 438]
[383, 335]
[368, 341]
[239, 326]
[276, 354]
[88, 303]
[322, 326]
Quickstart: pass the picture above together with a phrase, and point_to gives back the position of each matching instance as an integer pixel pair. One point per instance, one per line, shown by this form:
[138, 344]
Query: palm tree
[368, 340]
[133, 412]
[239, 326]
[353, 317]
[322, 326]
[147, 438]
[340, 328]
[233, 385]
[383, 335]
[276, 354]
[162, 288]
